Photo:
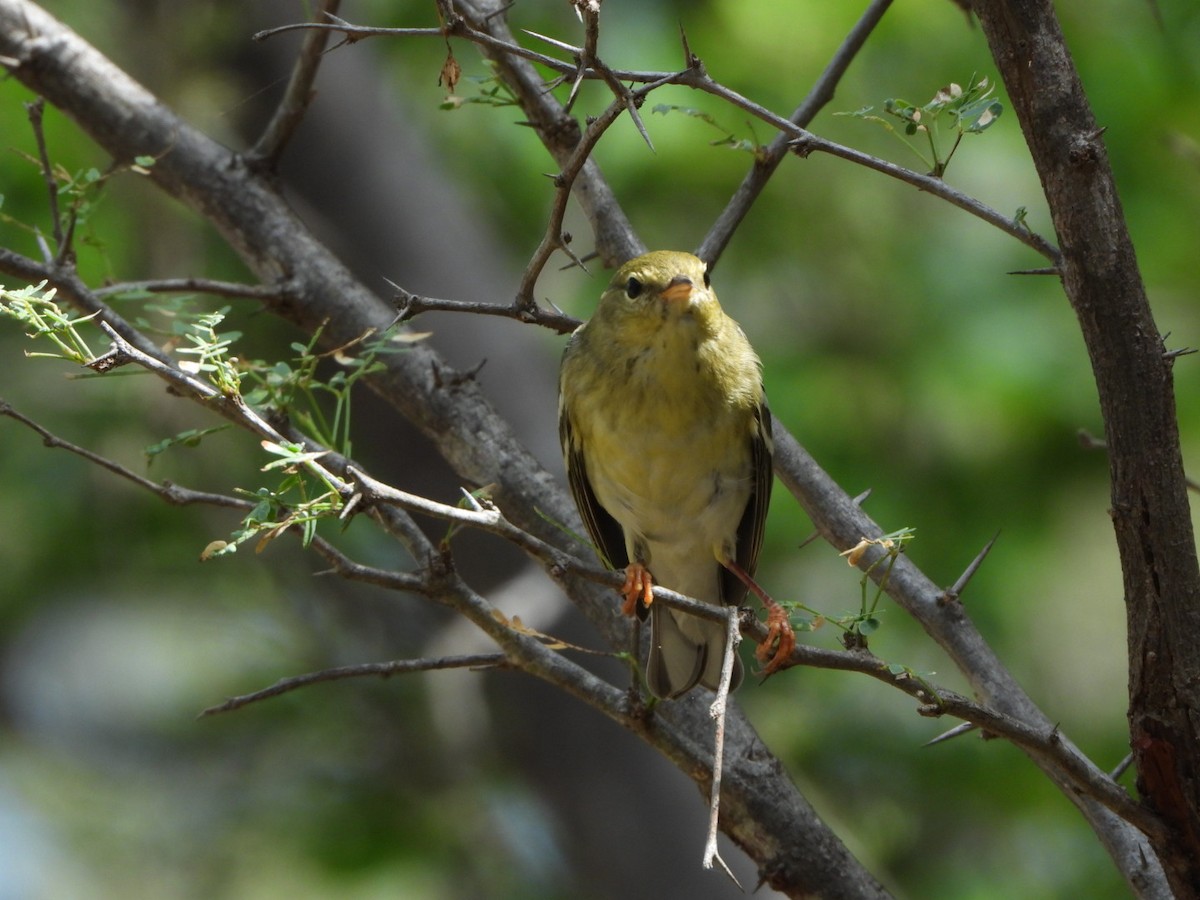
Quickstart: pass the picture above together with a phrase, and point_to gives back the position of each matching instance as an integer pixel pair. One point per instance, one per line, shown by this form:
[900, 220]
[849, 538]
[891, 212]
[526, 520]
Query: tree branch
[768, 160]
[1150, 510]
[299, 94]
[361, 670]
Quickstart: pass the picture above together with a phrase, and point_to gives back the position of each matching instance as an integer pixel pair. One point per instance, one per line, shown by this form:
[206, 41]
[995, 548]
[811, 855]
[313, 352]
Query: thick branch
[1150, 509]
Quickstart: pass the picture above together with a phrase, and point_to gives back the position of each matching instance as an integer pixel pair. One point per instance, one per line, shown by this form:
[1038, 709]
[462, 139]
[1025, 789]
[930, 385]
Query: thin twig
[409, 305]
[298, 95]
[360, 670]
[169, 491]
[589, 13]
[35, 110]
[769, 157]
[797, 138]
[937, 701]
[553, 238]
[717, 711]
[233, 404]
[192, 285]
[1013, 227]
[351, 570]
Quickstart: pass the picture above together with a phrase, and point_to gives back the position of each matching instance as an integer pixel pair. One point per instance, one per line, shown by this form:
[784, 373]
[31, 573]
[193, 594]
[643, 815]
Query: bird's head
[659, 287]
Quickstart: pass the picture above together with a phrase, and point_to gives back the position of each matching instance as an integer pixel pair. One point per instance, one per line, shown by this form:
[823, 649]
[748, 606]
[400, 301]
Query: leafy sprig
[314, 400]
[857, 626]
[969, 110]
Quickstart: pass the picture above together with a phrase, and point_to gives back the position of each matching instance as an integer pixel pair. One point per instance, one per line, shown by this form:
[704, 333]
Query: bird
[666, 440]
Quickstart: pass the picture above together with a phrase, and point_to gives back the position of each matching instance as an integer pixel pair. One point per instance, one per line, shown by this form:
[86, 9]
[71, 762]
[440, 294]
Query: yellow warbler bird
[667, 441]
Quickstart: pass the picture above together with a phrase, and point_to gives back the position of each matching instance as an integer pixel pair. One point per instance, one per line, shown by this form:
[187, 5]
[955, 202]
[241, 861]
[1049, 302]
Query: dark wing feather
[606, 534]
[754, 519]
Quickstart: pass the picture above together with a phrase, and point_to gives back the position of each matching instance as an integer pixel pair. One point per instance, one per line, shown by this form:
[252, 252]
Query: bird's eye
[633, 287]
[707, 278]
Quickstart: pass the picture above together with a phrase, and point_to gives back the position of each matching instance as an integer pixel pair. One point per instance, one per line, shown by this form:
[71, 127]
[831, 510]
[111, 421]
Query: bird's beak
[679, 290]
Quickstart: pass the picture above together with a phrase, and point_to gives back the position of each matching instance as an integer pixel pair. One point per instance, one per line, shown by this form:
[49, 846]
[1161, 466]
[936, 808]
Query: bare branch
[718, 712]
[1014, 227]
[769, 158]
[361, 670]
[172, 493]
[409, 305]
[554, 239]
[190, 286]
[612, 229]
[299, 94]
[35, 110]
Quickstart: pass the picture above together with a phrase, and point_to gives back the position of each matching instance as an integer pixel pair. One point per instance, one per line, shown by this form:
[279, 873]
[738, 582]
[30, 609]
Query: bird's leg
[638, 586]
[779, 629]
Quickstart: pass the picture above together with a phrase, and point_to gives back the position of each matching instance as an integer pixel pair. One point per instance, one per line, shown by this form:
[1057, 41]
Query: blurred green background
[896, 347]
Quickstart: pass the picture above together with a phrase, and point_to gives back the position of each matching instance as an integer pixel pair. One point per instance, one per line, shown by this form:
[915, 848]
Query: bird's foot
[779, 636]
[779, 629]
[638, 586]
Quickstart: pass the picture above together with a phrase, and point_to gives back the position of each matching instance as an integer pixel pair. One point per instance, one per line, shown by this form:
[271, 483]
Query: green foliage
[728, 139]
[210, 350]
[295, 388]
[298, 500]
[292, 391]
[34, 307]
[968, 111]
[191, 438]
[856, 627]
[492, 92]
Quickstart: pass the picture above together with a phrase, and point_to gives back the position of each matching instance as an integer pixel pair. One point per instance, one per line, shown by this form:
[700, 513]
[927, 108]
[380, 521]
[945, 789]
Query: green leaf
[190, 438]
[979, 116]
[863, 112]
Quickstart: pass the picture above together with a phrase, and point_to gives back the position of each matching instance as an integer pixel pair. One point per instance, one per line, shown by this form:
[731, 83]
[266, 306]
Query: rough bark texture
[1133, 376]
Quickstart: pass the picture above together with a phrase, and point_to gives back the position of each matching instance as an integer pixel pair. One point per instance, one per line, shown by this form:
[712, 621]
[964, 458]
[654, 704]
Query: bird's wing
[606, 534]
[754, 519]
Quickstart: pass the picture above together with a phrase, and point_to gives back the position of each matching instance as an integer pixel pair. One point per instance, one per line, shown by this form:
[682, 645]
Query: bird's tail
[685, 650]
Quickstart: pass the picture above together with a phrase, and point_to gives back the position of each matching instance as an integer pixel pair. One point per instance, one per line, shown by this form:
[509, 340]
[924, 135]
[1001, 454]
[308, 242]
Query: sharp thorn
[959, 586]
[687, 51]
[637, 120]
[553, 42]
[954, 732]
[1121, 767]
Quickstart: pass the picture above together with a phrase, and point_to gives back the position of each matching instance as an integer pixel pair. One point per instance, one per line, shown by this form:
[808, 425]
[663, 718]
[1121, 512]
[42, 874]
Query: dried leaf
[451, 72]
[212, 549]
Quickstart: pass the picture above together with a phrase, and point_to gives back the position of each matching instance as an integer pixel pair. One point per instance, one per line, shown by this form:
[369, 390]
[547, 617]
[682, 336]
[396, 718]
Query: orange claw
[638, 586]
[780, 636]
[779, 629]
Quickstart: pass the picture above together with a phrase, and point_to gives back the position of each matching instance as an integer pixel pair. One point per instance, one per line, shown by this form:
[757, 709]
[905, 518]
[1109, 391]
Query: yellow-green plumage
[666, 437]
